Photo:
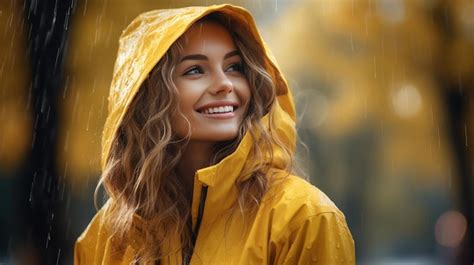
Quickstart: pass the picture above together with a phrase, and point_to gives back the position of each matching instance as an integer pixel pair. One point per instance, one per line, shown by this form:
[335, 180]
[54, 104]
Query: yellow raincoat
[295, 224]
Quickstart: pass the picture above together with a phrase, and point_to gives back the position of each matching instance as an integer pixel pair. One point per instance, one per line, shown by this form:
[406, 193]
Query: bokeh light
[450, 229]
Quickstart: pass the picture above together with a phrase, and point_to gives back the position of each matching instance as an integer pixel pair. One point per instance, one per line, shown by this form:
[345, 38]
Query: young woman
[197, 152]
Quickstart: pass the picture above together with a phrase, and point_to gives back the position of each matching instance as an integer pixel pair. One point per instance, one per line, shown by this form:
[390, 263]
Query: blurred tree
[37, 237]
[456, 73]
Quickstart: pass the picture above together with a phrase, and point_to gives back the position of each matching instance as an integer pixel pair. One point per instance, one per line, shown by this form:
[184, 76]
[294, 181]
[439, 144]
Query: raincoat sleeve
[77, 254]
[323, 238]
[85, 247]
[90, 245]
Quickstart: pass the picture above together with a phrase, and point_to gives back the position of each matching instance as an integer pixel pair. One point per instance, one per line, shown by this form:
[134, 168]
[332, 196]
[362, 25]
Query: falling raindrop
[94, 84]
[48, 238]
[85, 8]
[43, 101]
[59, 254]
[66, 20]
[91, 111]
[66, 85]
[32, 187]
[47, 113]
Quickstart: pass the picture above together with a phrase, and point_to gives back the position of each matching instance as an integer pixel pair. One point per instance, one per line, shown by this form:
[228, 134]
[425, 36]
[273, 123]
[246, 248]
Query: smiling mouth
[218, 110]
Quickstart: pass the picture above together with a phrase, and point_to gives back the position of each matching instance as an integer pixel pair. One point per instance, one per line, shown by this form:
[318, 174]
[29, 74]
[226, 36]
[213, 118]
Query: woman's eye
[235, 67]
[194, 70]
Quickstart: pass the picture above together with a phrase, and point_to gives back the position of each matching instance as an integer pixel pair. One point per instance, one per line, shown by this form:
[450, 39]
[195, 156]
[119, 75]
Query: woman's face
[213, 91]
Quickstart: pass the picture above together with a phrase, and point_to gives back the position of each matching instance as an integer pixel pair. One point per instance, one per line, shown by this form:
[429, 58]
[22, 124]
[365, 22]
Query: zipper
[194, 233]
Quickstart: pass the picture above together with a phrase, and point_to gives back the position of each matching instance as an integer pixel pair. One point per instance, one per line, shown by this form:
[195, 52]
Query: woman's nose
[222, 84]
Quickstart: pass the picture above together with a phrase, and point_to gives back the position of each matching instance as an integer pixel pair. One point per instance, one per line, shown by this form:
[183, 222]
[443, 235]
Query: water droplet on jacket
[338, 245]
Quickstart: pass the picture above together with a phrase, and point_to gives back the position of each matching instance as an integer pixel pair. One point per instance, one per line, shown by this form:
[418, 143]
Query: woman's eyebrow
[204, 57]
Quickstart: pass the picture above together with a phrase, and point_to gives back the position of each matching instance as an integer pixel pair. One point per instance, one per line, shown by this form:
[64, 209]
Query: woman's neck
[196, 155]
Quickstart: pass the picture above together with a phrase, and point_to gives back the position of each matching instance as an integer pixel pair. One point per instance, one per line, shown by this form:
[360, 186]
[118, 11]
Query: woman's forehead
[205, 35]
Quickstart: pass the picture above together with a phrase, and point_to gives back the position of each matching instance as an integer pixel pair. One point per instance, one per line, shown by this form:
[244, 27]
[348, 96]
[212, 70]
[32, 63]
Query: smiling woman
[197, 152]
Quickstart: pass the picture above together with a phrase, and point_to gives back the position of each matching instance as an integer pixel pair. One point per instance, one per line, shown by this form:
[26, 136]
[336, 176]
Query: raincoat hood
[144, 42]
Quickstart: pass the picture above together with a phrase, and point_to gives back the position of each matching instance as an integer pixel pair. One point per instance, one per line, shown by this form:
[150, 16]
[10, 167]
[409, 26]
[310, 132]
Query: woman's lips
[216, 106]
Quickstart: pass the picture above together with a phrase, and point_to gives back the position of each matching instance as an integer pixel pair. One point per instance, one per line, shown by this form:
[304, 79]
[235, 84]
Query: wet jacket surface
[296, 223]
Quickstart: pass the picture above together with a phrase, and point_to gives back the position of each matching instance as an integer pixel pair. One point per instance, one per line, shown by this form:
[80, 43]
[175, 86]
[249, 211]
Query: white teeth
[222, 109]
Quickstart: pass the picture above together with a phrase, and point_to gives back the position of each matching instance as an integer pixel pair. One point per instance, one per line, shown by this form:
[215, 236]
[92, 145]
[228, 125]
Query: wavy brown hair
[140, 175]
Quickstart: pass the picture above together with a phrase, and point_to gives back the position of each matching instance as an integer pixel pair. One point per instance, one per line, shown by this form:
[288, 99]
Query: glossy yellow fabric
[295, 224]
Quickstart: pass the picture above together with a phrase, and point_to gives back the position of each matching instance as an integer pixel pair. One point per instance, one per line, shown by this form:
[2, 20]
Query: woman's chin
[216, 136]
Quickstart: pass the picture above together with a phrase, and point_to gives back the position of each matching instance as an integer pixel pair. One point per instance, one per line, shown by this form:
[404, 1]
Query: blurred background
[384, 91]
